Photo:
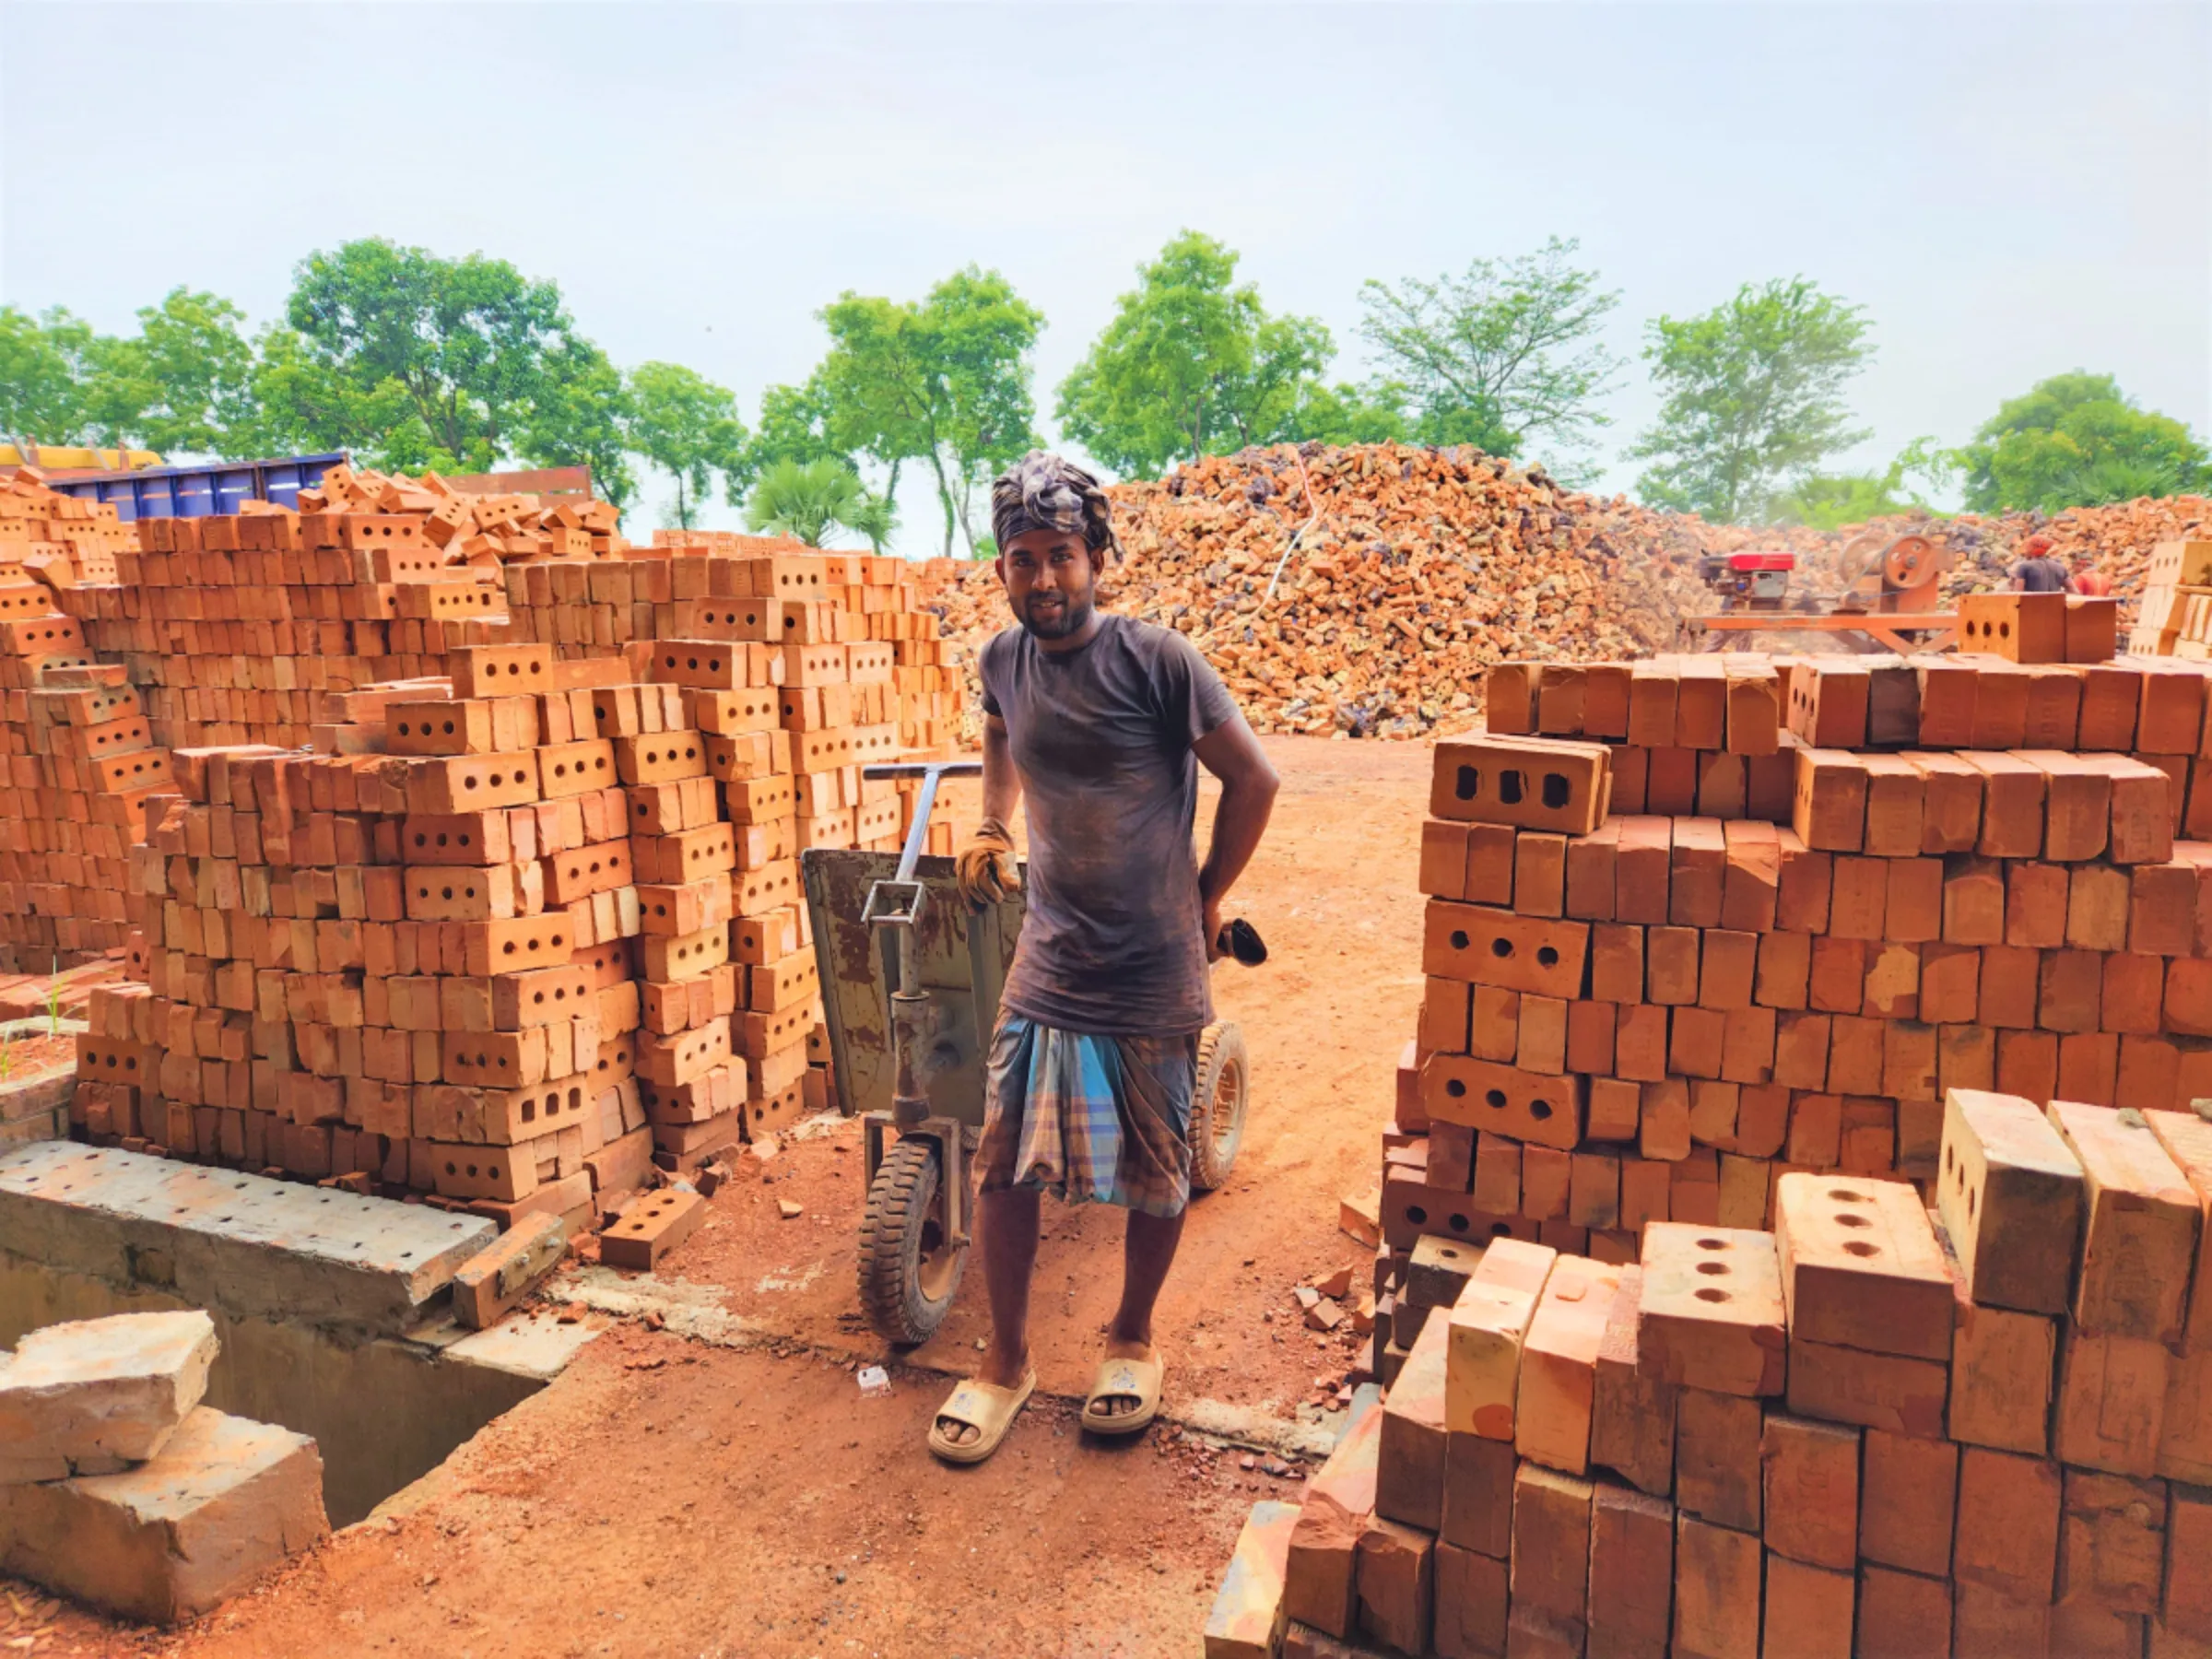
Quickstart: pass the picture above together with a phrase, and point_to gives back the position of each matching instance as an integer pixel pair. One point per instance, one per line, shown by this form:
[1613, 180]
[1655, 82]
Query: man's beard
[1074, 611]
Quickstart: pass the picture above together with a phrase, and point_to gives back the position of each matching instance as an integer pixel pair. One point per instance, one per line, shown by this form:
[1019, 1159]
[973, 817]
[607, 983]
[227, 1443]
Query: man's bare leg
[1148, 1251]
[1007, 1229]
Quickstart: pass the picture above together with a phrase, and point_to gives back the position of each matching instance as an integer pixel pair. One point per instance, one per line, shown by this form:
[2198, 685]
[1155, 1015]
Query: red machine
[1891, 598]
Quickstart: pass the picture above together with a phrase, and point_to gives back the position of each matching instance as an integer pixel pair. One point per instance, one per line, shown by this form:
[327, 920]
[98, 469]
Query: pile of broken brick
[120, 1489]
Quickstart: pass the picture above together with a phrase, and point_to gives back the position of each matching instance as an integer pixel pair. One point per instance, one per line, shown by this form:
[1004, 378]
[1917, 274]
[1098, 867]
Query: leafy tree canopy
[46, 363]
[1192, 364]
[794, 426]
[2078, 440]
[185, 382]
[1376, 413]
[688, 427]
[581, 417]
[1753, 397]
[946, 382]
[453, 352]
[1504, 356]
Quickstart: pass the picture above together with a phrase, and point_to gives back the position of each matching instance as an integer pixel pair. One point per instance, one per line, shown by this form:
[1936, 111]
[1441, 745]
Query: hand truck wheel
[909, 1269]
[1218, 1102]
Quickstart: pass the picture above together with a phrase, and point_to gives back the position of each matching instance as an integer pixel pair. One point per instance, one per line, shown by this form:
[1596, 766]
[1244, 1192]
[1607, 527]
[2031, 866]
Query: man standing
[2037, 572]
[1101, 722]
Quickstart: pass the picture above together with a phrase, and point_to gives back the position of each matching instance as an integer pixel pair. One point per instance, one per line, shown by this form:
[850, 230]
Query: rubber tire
[899, 1202]
[1221, 1056]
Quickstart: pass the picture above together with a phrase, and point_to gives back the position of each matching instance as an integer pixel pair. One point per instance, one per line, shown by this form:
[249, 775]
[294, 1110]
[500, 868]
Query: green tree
[807, 500]
[947, 383]
[794, 426]
[1190, 364]
[1502, 357]
[2077, 440]
[1375, 413]
[688, 427]
[185, 382]
[580, 417]
[300, 403]
[1831, 500]
[1752, 397]
[445, 356]
[46, 364]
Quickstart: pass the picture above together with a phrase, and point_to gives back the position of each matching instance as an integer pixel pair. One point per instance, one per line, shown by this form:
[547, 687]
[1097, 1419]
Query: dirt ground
[739, 1495]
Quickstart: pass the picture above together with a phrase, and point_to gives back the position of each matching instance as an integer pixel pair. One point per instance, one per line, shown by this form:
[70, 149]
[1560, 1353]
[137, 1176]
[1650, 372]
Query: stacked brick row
[1716, 735]
[80, 754]
[234, 629]
[57, 538]
[735, 693]
[2175, 617]
[1869, 1431]
[375, 967]
[729, 990]
[694, 586]
[1727, 999]
[344, 1000]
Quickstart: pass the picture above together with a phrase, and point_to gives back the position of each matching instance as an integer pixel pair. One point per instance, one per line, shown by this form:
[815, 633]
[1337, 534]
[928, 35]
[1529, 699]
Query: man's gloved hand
[984, 864]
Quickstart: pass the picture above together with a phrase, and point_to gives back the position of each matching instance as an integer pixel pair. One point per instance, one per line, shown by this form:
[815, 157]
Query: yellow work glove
[984, 864]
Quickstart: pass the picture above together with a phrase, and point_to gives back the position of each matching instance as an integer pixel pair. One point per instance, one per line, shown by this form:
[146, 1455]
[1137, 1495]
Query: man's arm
[983, 866]
[1248, 784]
[1002, 783]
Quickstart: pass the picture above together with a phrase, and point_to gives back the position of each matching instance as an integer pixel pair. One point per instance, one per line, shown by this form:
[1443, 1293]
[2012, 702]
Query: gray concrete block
[226, 1500]
[97, 1395]
[240, 1243]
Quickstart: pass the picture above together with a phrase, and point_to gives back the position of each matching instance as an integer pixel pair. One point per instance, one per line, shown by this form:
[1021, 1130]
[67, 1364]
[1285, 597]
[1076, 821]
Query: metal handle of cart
[912, 998]
[895, 901]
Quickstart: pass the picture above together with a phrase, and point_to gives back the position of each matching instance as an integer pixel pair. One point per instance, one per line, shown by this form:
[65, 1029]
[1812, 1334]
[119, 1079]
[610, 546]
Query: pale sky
[2012, 190]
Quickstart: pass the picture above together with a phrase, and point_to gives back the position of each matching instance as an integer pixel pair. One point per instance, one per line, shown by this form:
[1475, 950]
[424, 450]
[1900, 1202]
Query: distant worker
[1101, 720]
[2037, 572]
[2088, 580]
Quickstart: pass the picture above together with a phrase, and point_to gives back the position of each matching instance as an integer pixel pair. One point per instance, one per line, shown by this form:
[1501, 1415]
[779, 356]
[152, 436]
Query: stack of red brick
[1642, 1017]
[1650, 1207]
[324, 993]
[234, 627]
[541, 907]
[355, 970]
[512, 918]
[79, 753]
[700, 585]
[1863, 1433]
[56, 538]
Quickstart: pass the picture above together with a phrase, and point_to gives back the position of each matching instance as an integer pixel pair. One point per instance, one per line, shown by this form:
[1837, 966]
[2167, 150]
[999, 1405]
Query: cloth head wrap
[1042, 491]
[2037, 547]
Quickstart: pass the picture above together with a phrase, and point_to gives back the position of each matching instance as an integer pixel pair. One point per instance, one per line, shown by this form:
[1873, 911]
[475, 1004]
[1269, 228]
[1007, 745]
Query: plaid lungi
[1094, 1120]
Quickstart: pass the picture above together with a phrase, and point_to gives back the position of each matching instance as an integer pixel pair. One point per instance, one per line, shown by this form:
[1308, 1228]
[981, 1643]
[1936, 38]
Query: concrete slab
[239, 1243]
[93, 1396]
[227, 1499]
[526, 1344]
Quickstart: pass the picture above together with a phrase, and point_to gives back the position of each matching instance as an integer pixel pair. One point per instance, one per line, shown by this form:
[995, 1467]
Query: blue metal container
[212, 490]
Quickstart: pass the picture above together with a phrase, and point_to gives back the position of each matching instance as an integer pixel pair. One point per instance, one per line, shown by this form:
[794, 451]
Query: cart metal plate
[961, 957]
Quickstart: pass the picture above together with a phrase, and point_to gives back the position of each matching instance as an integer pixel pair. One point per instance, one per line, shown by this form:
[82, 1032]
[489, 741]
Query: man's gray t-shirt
[1102, 736]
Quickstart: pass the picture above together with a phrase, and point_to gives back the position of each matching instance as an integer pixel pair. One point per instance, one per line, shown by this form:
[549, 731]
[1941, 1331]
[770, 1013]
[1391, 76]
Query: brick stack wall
[1729, 999]
[234, 629]
[80, 754]
[691, 585]
[323, 994]
[1794, 1236]
[1873, 1429]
